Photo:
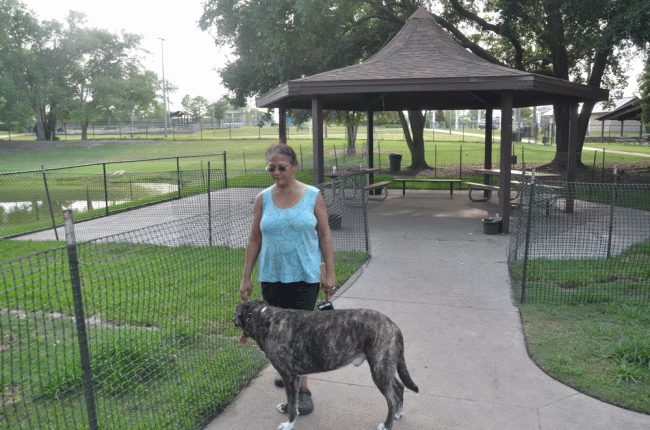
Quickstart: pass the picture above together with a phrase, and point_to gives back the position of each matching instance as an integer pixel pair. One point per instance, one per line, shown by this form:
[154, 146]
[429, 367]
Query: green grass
[624, 278]
[441, 148]
[599, 349]
[598, 339]
[165, 354]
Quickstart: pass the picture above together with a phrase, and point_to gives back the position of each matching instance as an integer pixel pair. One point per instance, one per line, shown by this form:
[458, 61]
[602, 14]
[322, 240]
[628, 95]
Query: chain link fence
[133, 330]
[33, 200]
[581, 242]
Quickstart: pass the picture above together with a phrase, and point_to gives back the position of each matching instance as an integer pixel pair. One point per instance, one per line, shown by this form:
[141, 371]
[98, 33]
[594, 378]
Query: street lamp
[162, 52]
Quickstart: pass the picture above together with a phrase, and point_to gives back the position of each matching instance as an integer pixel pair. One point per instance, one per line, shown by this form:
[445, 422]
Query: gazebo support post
[505, 158]
[371, 149]
[488, 148]
[317, 133]
[572, 157]
[282, 125]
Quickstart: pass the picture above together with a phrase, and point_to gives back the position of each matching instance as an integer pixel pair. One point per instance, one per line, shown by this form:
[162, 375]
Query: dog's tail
[402, 371]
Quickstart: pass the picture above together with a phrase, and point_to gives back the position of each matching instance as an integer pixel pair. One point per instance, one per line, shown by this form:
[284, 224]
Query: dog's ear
[237, 317]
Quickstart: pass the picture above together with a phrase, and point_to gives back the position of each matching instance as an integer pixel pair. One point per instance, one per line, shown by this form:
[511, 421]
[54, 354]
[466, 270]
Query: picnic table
[339, 178]
[429, 180]
[488, 188]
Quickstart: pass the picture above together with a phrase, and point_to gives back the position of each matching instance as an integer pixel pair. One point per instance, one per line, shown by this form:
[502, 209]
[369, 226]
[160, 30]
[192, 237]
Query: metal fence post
[178, 176]
[245, 170]
[529, 221]
[49, 202]
[611, 213]
[209, 208]
[225, 171]
[80, 319]
[105, 188]
[460, 169]
[364, 199]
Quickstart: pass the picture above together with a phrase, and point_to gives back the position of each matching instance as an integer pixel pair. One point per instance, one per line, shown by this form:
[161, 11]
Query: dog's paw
[399, 413]
[286, 426]
[381, 427]
[282, 408]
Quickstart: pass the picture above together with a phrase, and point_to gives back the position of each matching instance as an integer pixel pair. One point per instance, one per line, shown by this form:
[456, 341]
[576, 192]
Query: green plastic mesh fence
[155, 307]
[581, 242]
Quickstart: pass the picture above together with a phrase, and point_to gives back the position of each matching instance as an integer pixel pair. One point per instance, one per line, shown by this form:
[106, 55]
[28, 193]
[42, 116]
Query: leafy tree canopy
[582, 41]
[197, 106]
[51, 70]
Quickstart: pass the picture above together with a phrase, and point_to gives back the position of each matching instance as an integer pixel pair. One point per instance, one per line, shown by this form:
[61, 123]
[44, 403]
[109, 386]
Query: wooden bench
[627, 140]
[545, 197]
[378, 186]
[433, 181]
[485, 187]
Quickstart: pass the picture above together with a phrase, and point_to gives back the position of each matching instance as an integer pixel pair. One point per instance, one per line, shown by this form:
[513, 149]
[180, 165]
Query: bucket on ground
[492, 225]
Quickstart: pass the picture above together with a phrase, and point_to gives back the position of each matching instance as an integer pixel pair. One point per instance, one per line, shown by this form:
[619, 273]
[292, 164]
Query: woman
[290, 237]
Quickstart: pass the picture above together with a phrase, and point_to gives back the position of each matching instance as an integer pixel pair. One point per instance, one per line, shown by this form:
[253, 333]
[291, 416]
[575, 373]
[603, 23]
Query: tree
[24, 80]
[644, 89]
[197, 106]
[67, 71]
[586, 42]
[220, 107]
[106, 74]
[350, 120]
[16, 28]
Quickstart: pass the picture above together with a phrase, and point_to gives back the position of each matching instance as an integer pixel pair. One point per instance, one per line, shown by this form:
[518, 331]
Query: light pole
[162, 52]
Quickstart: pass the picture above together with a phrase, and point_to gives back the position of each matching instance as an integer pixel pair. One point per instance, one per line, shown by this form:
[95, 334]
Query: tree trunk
[50, 126]
[561, 113]
[40, 130]
[352, 138]
[84, 129]
[416, 142]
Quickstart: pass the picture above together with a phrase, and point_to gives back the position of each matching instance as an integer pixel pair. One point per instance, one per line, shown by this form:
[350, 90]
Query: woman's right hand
[245, 289]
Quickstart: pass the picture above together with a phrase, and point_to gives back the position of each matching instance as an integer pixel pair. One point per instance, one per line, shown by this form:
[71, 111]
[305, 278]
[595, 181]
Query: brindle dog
[299, 343]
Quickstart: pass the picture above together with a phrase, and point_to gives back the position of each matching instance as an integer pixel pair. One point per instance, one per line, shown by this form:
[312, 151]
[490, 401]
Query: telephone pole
[162, 52]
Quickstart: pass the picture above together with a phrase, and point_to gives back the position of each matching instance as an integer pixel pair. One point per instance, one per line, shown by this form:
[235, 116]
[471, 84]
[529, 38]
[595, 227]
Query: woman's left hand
[327, 281]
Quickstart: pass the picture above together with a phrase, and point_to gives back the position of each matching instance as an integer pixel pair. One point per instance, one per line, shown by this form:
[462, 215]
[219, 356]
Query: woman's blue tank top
[290, 249]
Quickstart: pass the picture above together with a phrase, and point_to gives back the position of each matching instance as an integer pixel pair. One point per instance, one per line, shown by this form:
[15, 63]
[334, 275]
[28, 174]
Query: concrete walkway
[445, 283]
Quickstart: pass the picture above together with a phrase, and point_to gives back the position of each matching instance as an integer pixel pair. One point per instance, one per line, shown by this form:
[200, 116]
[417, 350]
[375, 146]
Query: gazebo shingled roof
[423, 68]
[624, 112]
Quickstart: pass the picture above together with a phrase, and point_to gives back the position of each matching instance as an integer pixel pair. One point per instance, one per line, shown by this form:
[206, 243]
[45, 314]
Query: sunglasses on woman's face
[271, 169]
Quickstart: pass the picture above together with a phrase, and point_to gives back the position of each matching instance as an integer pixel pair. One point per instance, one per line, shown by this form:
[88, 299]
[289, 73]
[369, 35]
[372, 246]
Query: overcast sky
[190, 54]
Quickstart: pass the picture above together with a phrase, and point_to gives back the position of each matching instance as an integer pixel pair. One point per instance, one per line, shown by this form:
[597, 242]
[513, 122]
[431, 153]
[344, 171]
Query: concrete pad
[446, 285]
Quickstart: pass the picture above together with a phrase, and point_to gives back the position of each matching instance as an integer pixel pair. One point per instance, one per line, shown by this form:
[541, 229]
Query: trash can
[492, 225]
[395, 162]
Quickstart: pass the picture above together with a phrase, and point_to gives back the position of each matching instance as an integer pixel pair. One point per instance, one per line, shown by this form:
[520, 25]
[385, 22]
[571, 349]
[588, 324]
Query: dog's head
[243, 317]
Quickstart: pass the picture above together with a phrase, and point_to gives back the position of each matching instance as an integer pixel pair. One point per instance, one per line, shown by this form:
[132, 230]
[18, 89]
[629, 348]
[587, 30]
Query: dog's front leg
[291, 387]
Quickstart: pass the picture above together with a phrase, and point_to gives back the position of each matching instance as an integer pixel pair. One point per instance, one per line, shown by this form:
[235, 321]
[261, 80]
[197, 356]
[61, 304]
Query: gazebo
[423, 68]
[627, 111]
